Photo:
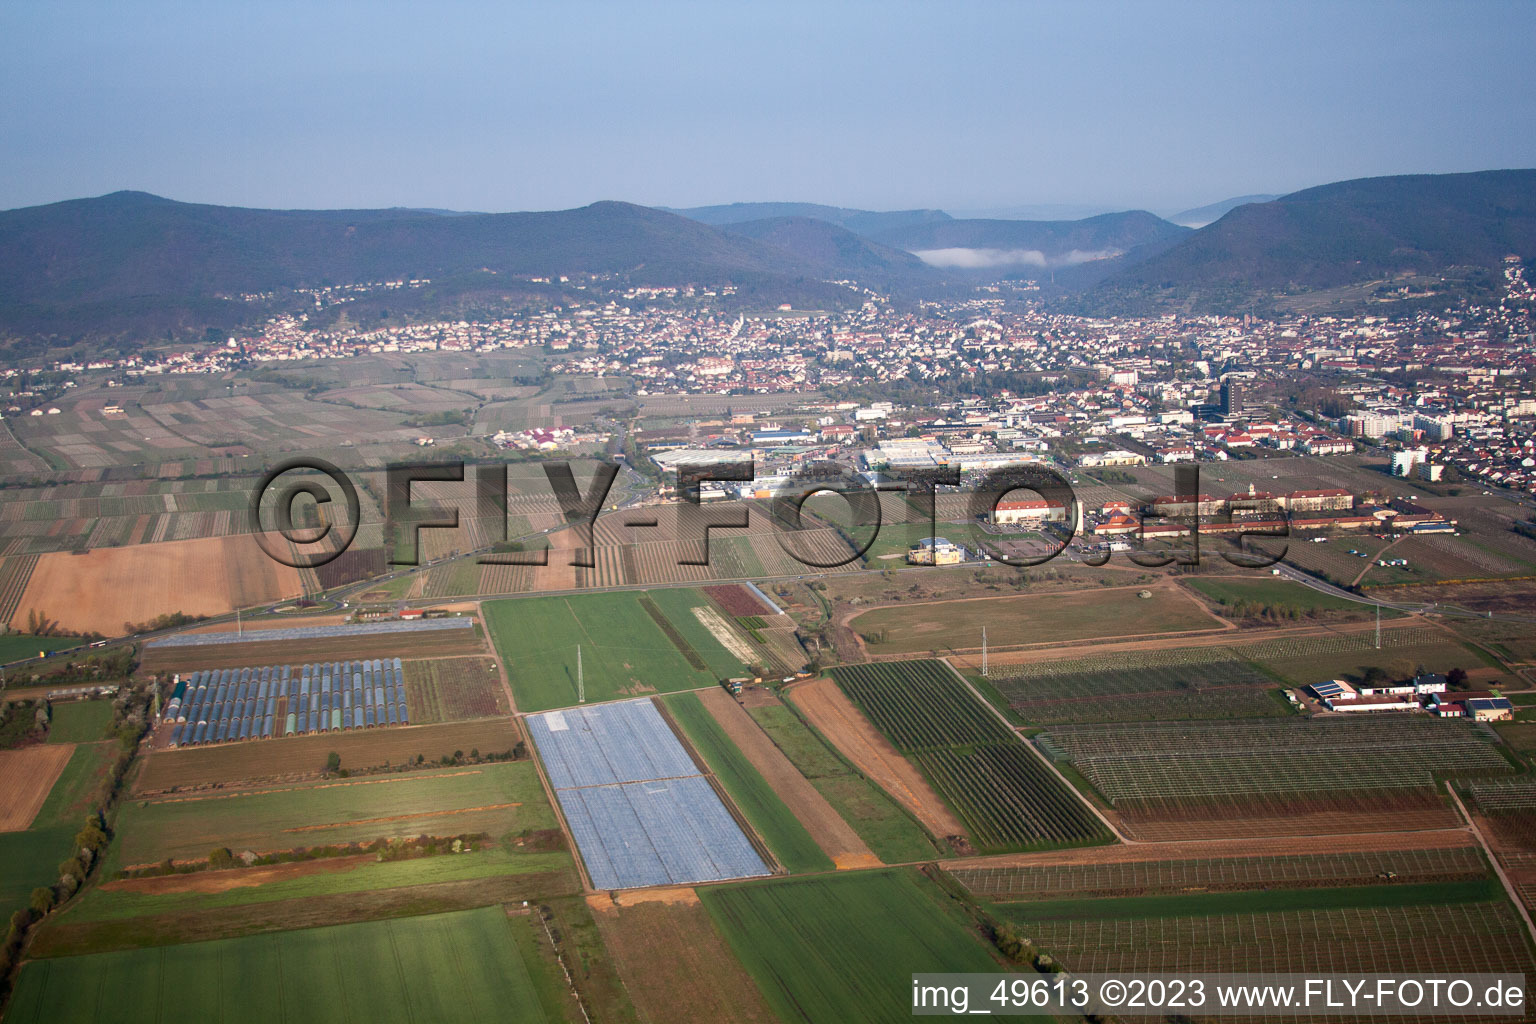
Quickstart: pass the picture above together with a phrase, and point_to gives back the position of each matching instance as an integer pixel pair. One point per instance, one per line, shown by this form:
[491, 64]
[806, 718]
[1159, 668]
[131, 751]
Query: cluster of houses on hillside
[1427, 692]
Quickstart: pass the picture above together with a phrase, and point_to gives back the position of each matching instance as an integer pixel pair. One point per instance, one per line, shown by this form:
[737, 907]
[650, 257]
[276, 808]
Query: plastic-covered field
[639, 808]
[312, 632]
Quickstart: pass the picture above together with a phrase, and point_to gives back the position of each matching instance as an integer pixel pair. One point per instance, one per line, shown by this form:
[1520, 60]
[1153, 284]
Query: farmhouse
[1481, 709]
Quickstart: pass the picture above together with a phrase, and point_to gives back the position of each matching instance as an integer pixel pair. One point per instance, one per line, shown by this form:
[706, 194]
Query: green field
[919, 627]
[80, 721]
[31, 859]
[438, 802]
[70, 799]
[844, 948]
[888, 830]
[678, 603]
[790, 843]
[624, 652]
[461, 966]
[19, 647]
[108, 903]
[1281, 593]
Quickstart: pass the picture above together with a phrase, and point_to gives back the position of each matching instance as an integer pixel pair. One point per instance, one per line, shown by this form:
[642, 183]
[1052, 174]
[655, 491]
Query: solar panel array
[222, 705]
[292, 633]
[639, 808]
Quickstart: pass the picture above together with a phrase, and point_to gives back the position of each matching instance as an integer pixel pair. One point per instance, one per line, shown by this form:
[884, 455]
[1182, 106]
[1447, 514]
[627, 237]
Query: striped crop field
[1003, 792]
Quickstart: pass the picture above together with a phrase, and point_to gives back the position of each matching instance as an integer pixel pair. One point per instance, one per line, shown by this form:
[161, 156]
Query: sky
[961, 106]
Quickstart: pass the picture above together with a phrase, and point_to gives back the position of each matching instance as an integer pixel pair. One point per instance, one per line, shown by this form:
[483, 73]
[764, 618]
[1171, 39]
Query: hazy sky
[497, 106]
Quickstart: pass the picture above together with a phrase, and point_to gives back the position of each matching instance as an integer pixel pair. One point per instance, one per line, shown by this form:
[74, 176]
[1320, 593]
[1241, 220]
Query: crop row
[1289, 870]
[1003, 792]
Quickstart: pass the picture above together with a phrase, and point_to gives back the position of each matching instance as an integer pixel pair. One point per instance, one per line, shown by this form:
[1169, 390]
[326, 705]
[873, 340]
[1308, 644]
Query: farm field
[1208, 682]
[201, 892]
[888, 831]
[19, 647]
[464, 964]
[663, 949]
[1006, 796]
[298, 758]
[625, 652]
[31, 859]
[26, 777]
[268, 646]
[104, 588]
[640, 810]
[1486, 936]
[491, 798]
[79, 721]
[1169, 781]
[75, 792]
[1222, 874]
[1281, 593]
[785, 835]
[1029, 619]
[452, 689]
[828, 950]
[827, 710]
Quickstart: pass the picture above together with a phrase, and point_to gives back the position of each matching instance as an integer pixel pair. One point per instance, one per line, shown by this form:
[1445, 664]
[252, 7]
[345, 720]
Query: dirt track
[835, 717]
[825, 825]
[26, 777]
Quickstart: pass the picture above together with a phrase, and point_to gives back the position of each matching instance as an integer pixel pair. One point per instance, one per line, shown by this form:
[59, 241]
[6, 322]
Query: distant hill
[823, 248]
[1013, 244]
[1200, 216]
[131, 262]
[862, 222]
[1348, 237]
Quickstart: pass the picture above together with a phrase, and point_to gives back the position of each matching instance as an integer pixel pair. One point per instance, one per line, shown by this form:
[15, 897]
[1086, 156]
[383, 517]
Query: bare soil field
[26, 777]
[836, 839]
[303, 757]
[102, 589]
[675, 965]
[835, 717]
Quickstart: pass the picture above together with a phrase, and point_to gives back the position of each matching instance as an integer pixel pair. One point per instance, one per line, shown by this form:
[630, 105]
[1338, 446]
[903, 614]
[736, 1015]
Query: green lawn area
[19, 647]
[780, 829]
[888, 830]
[1279, 592]
[459, 966]
[79, 721]
[70, 799]
[920, 627]
[1258, 901]
[440, 802]
[832, 949]
[624, 652]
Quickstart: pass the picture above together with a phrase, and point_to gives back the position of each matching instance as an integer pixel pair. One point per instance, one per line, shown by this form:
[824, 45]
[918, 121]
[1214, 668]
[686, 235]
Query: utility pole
[1378, 625]
[239, 627]
[581, 681]
[983, 650]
